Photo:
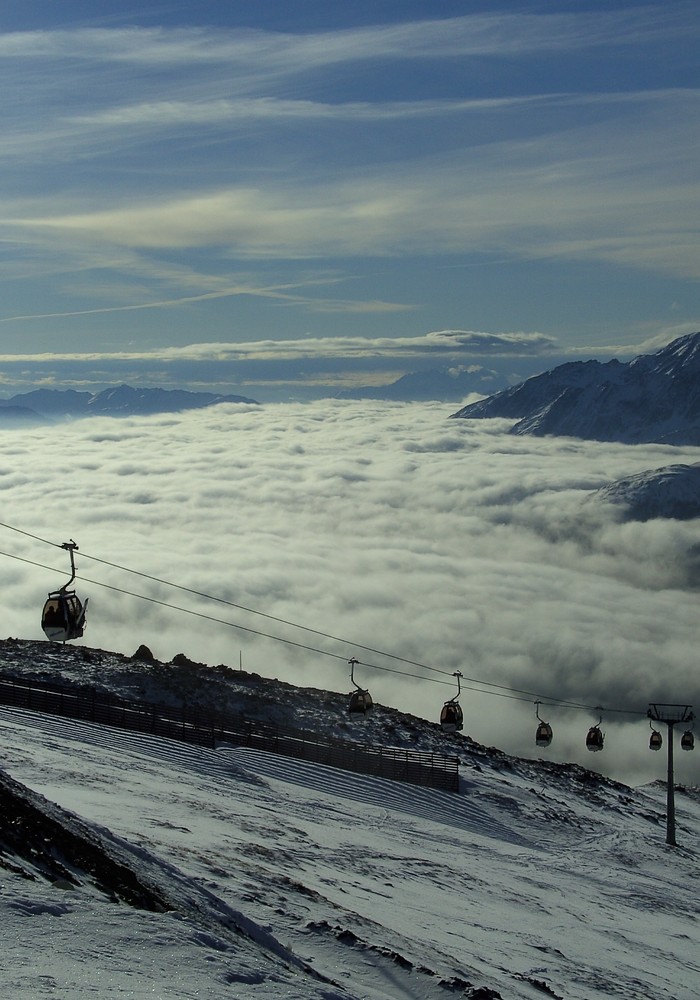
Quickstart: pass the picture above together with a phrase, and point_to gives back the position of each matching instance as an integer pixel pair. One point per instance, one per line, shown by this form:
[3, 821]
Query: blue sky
[282, 194]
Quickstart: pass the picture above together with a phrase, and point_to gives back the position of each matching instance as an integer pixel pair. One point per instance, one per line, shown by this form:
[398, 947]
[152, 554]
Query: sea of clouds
[444, 542]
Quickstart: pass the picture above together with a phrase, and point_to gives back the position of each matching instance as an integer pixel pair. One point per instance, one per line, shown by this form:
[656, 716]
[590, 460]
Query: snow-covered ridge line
[654, 398]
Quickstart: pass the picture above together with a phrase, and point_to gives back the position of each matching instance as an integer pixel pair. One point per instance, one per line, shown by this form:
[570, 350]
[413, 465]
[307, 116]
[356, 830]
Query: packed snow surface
[279, 878]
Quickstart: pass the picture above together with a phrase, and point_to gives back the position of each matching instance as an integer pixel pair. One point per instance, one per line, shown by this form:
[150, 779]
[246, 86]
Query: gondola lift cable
[475, 684]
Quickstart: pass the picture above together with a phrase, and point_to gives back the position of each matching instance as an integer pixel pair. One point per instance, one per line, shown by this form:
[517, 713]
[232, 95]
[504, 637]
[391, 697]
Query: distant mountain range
[653, 398]
[46, 405]
[447, 384]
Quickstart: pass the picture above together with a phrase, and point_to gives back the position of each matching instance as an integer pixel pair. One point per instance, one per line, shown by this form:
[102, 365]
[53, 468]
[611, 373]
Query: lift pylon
[672, 715]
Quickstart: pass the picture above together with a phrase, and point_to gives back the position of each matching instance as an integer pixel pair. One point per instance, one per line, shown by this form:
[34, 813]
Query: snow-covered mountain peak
[653, 398]
[680, 356]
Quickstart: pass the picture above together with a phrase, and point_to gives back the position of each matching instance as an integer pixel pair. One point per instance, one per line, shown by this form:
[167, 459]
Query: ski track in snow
[387, 890]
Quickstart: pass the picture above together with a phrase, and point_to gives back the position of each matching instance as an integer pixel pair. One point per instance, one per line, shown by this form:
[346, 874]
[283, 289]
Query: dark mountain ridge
[40, 405]
[653, 398]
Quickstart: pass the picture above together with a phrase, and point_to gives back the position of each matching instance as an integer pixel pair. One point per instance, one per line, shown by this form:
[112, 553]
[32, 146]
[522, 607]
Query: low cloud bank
[320, 365]
[447, 543]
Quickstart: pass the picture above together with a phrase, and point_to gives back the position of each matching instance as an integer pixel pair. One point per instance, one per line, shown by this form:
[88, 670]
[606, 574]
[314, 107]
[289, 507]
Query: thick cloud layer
[447, 543]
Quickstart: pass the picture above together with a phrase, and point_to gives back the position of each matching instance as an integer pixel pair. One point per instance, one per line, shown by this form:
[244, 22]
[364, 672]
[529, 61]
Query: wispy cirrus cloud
[442, 342]
[498, 33]
[528, 198]
[133, 153]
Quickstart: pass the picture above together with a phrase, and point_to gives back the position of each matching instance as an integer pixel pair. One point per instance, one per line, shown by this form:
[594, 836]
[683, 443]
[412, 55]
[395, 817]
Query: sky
[387, 890]
[296, 198]
[419, 545]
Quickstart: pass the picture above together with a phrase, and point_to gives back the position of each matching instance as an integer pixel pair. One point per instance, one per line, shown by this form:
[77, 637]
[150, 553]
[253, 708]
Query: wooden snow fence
[209, 729]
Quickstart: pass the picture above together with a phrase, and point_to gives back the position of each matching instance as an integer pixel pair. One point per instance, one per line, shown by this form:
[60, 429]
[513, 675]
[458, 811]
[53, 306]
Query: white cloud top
[443, 542]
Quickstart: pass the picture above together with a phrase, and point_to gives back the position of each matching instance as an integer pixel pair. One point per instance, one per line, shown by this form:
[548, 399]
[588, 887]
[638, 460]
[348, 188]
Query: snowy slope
[539, 391]
[653, 398]
[673, 491]
[283, 878]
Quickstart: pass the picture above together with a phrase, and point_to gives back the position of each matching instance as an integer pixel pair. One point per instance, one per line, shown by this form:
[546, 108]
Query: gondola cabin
[63, 616]
[655, 740]
[687, 740]
[451, 717]
[543, 736]
[594, 739]
[360, 702]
